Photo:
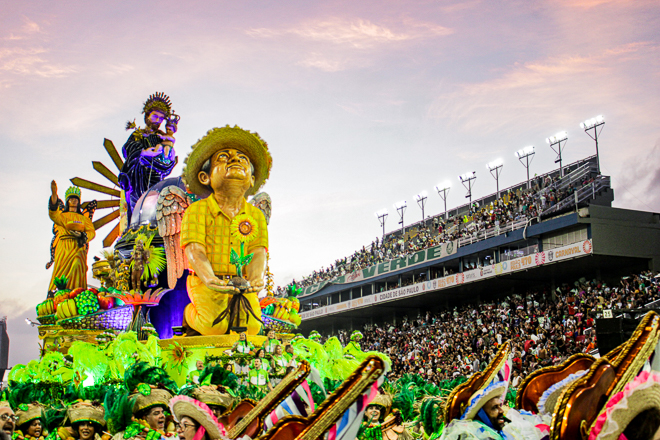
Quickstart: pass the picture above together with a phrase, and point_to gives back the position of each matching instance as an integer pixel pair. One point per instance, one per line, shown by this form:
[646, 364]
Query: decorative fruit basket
[118, 318]
[47, 319]
[278, 325]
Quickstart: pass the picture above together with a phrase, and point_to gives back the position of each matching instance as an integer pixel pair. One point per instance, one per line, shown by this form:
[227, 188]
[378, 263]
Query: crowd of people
[545, 327]
[510, 207]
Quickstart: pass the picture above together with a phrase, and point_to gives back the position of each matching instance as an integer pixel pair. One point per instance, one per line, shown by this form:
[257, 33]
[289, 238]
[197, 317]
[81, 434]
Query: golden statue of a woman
[73, 230]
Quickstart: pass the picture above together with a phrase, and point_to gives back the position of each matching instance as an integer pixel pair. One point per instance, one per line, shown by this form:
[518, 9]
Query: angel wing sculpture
[263, 202]
[172, 203]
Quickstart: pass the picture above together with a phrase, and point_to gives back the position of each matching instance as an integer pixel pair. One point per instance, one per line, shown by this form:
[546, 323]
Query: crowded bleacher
[545, 326]
[512, 207]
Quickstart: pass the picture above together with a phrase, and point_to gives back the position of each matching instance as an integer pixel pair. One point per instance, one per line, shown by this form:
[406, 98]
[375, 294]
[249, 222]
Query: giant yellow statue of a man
[223, 168]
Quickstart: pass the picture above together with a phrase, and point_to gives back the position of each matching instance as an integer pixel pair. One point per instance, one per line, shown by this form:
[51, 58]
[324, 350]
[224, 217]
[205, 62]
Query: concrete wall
[626, 233]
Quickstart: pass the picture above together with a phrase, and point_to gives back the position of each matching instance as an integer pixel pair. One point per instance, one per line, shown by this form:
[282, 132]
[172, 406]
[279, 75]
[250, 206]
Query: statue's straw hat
[218, 139]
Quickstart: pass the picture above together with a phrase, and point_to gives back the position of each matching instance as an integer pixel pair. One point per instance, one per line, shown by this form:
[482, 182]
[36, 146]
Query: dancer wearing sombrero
[195, 420]
[483, 415]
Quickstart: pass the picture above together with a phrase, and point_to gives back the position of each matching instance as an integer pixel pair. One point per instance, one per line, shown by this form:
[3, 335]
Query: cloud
[30, 27]
[27, 56]
[528, 89]
[335, 44]
[359, 33]
[639, 182]
[318, 61]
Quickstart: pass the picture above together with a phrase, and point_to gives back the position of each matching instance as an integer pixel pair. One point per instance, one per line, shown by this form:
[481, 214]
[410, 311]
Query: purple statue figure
[149, 152]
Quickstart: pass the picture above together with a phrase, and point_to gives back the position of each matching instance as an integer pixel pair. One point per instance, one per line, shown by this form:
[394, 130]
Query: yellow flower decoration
[244, 228]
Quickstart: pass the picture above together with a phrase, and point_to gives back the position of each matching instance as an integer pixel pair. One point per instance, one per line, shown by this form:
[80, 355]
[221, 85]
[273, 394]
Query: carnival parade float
[183, 324]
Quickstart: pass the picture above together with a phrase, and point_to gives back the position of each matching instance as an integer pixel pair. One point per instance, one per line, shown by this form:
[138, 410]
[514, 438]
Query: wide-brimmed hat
[217, 139]
[641, 394]
[27, 412]
[496, 385]
[210, 395]
[86, 411]
[549, 398]
[147, 398]
[200, 412]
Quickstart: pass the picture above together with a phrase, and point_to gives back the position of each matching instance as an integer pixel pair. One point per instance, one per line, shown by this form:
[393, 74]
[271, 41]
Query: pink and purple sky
[362, 104]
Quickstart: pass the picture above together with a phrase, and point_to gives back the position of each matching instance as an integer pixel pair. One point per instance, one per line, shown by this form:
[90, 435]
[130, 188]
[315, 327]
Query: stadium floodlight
[556, 145]
[525, 155]
[467, 180]
[442, 190]
[401, 208]
[382, 216]
[593, 124]
[421, 201]
[495, 167]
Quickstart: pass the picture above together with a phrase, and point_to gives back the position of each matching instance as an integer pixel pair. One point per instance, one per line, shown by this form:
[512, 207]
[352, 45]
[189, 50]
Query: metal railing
[581, 195]
[492, 232]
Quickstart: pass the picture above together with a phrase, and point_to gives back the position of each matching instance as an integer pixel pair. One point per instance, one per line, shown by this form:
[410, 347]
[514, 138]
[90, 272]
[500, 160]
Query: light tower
[525, 155]
[495, 167]
[556, 145]
[401, 208]
[382, 216]
[593, 124]
[467, 180]
[442, 190]
[421, 201]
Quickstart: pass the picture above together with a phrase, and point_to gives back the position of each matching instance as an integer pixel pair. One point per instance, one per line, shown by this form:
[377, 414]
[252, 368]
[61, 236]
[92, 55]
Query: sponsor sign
[522, 263]
[434, 253]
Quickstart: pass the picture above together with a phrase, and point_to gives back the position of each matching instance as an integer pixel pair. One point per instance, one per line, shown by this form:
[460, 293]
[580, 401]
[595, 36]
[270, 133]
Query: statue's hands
[75, 233]
[255, 285]
[216, 284]
[53, 191]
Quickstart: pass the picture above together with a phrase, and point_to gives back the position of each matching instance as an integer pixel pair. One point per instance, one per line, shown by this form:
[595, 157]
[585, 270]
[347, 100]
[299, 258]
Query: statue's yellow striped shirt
[205, 223]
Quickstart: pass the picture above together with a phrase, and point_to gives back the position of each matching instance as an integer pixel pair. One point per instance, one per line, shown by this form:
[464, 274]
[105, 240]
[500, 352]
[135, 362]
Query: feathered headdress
[72, 191]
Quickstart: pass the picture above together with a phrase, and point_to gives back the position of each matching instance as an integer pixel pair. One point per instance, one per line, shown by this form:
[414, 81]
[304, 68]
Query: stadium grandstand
[536, 236]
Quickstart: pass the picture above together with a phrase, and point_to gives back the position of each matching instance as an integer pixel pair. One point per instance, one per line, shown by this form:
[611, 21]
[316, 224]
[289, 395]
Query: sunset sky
[362, 104]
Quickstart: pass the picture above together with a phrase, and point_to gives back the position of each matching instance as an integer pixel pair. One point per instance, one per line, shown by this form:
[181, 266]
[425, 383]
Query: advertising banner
[434, 253]
[522, 263]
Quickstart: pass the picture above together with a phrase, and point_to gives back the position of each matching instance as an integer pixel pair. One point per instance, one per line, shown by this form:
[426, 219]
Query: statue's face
[228, 166]
[73, 203]
[200, 365]
[155, 118]
[242, 337]
[271, 334]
